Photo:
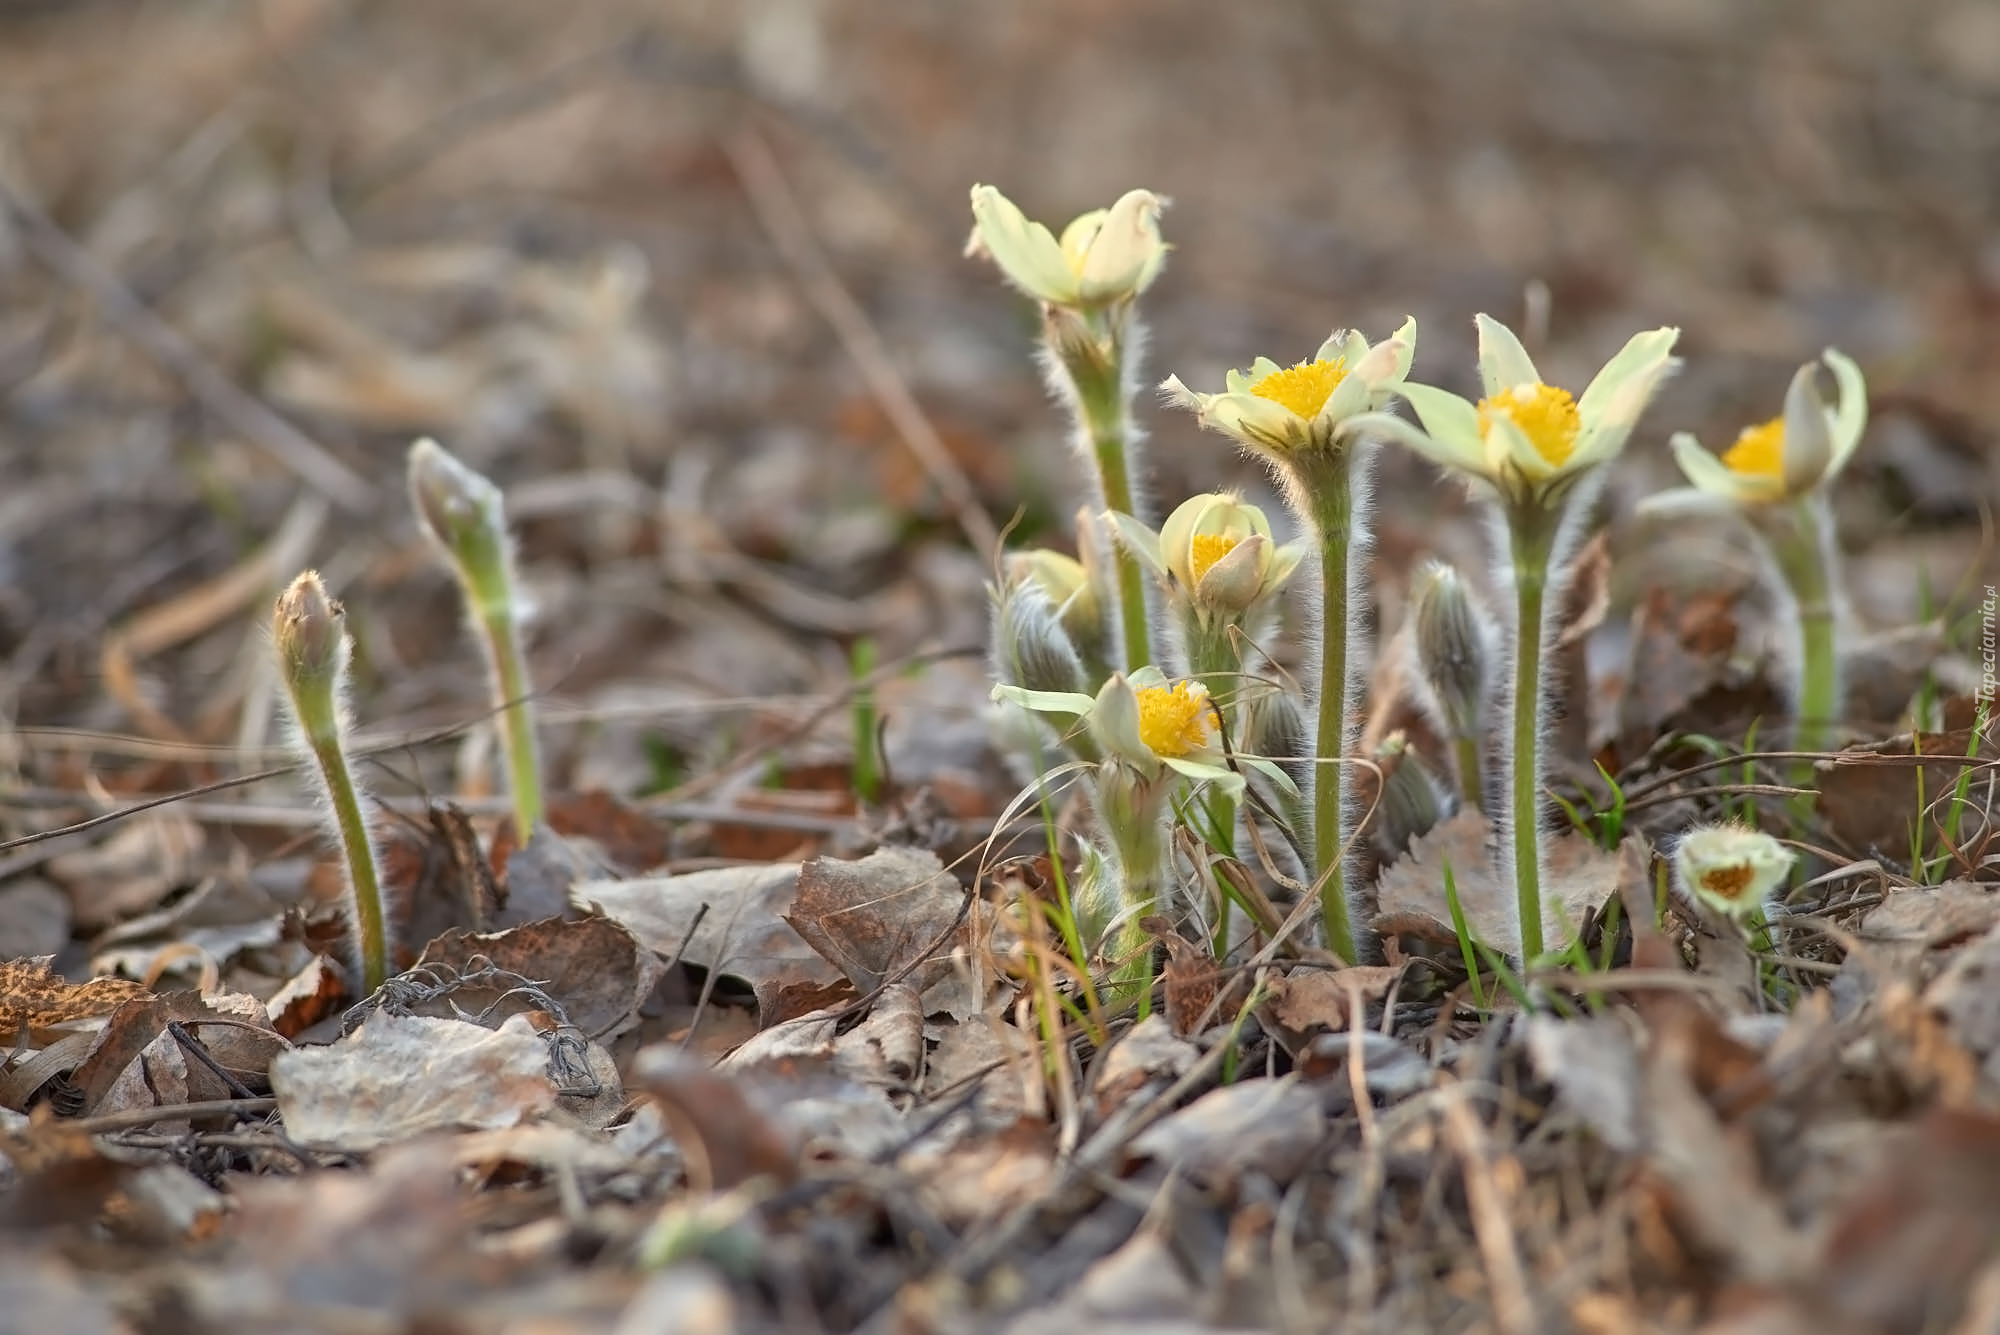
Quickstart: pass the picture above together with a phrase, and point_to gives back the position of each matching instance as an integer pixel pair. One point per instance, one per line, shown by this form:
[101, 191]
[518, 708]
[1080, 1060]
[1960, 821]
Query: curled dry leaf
[1305, 1002]
[895, 914]
[136, 1051]
[399, 1076]
[307, 997]
[728, 921]
[726, 1138]
[1577, 877]
[594, 967]
[35, 998]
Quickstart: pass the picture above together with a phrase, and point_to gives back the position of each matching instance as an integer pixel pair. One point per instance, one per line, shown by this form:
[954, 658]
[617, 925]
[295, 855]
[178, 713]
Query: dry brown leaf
[1594, 1066]
[886, 1050]
[359, 1250]
[1873, 797]
[995, 1058]
[62, 1176]
[742, 933]
[895, 914]
[1309, 1001]
[1685, 670]
[1712, 1172]
[977, 1176]
[1966, 997]
[727, 1139]
[1932, 917]
[399, 1076]
[594, 967]
[137, 1054]
[1577, 877]
[1151, 1052]
[144, 861]
[1903, 1251]
[308, 996]
[1269, 1127]
[33, 997]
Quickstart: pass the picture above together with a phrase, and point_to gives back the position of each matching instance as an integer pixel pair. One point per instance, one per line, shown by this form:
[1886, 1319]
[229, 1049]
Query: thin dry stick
[1513, 1309]
[778, 211]
[182, 360]
[136, 1117]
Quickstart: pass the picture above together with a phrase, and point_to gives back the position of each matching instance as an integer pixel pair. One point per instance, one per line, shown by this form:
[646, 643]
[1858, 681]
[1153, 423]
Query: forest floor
[767, 1030]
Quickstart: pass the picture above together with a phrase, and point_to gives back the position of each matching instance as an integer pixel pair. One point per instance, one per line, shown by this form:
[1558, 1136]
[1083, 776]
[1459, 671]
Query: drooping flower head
[1528, 440]
[1279, 411]
[1732, 868]
[1789, 456]
[1103, 257]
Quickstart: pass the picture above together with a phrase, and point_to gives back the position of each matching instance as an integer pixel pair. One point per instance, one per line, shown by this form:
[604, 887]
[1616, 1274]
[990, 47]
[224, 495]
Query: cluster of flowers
[1149, 697]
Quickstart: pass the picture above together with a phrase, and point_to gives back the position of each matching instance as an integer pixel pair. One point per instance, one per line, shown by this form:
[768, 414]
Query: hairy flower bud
[1411, 802]
[311, 633]
[1454, 645]
[1030, 647]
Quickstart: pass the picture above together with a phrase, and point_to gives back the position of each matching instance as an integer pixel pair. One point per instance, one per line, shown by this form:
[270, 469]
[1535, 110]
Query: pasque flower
[1536, 452]
[1527, 440]
[1776, 477]
[1732, 868]
[1216, 552]
[1300, 420]
[1152, 733]
[1280, 411]
[1103, 256]
[1789, 456]
[1088, 282]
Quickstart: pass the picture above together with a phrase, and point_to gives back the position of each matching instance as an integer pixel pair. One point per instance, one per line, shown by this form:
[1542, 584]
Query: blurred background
[675, 272]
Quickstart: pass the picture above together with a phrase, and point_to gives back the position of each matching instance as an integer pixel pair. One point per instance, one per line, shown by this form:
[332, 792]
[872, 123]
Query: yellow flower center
[1759, 451]
[1546, 415]
[1173, 720]
[1727, 883]
[1304, 388]
[1206, 550]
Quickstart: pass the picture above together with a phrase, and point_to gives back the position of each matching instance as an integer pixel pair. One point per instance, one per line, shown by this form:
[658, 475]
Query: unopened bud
[1030, 647]
[1454, 645]
[462, 512]
[1732, 868]
[1411, 801]
[311, 634]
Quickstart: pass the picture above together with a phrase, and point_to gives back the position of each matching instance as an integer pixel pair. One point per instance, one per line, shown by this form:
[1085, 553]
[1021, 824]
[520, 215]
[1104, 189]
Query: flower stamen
[1304, 388]
[1759, 450]
[1547, 416]
[1728, 883]
[1206, 549]
[1173, 720]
